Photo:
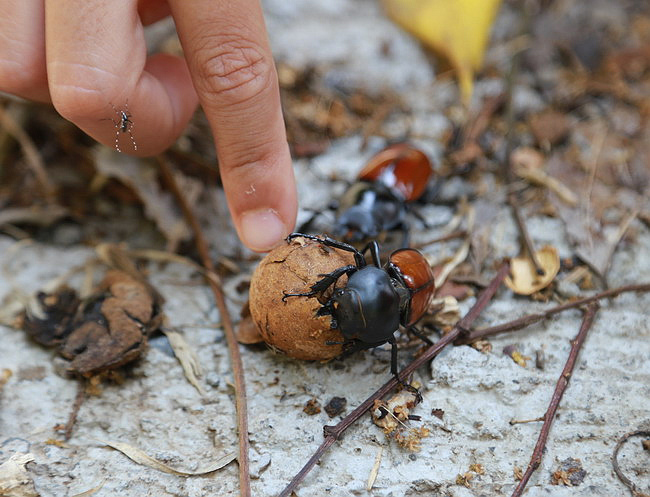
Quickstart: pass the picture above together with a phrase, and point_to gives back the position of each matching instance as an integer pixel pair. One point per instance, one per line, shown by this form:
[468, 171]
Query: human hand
[88, 57]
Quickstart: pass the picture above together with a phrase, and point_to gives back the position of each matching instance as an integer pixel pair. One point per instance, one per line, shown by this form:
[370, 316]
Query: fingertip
[262, 198]
[262, 229]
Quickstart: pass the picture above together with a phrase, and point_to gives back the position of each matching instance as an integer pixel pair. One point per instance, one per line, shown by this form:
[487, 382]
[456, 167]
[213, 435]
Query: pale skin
[88, 58]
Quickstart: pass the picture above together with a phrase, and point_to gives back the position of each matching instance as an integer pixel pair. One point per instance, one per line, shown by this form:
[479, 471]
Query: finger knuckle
[21, 76]
[80, 91]
[233, 70]
[76, 102]
[253, 158]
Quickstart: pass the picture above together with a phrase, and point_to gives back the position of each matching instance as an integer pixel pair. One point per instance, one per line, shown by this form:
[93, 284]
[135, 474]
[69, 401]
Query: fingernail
[262, 229]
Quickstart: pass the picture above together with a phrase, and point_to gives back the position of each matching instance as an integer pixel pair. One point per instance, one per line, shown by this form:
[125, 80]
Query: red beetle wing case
[402, 167]
[418, 278]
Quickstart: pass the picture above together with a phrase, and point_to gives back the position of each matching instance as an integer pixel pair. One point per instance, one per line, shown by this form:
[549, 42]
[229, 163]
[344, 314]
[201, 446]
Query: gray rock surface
[157, 410]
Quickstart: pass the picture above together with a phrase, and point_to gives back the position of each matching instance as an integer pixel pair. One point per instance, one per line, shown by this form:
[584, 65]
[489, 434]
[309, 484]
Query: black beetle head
[367, 309]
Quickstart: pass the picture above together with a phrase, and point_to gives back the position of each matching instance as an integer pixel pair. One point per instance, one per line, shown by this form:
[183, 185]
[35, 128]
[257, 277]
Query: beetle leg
[330, 242]
[353, 346]
[418, 215]
[374, 252]
[323, 284]
[420, 335]
[406, 234]
[395, 373]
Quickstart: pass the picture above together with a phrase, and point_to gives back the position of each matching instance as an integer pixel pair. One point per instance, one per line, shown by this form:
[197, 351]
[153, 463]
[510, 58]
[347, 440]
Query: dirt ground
[352, 81]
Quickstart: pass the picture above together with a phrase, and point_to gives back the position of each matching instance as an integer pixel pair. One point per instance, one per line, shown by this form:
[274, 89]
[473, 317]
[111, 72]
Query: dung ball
[292, 326]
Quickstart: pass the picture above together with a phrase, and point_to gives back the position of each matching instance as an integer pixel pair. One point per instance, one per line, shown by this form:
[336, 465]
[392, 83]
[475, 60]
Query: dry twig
[626, 481]
[524, 321]
[560, 387]
[78, 401]
[229, 331]
[513, 197]
[332, 433]
[32, 155]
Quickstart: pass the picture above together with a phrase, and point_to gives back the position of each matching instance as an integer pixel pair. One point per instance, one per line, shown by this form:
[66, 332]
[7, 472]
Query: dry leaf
[519, 358]
[462, 252]
[11, 307]
[247, 332]
[49, 318]
[159, 205]
[391, 414]
[140, 457]
[40, 216]
[375, 470]
[515, 355]
[14, 478]
[443, 312]
[528, 164]
[108, 329]
[523, 278]
[186, 355]
[570, 473]
[600, 220]
[113, 328]
[539, 177]
[464, 479]
[5, 374]
[549, 127]
[456, 29]
[90, 491]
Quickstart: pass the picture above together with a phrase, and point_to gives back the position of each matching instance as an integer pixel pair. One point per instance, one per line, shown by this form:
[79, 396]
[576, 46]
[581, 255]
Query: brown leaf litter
[104, 331]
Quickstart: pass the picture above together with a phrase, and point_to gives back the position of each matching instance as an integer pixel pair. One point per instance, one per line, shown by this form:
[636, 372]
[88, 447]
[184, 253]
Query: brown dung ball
[292, 326]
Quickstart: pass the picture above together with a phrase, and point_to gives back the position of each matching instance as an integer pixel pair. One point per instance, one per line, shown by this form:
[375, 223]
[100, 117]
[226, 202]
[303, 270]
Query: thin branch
[513, 200]
[513, 197]
[332, 433]
[622, 229]
[78, 401]
[233, 346]
[524, 321]
[626, 481]
[560, 388]
[32, 155]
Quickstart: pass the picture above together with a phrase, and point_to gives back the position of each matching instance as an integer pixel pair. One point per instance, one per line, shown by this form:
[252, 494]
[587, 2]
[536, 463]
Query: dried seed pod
[292, 326]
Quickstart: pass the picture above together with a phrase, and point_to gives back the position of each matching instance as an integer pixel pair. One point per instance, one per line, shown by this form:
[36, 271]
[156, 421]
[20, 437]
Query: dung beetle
[376, 300]
[378, 201]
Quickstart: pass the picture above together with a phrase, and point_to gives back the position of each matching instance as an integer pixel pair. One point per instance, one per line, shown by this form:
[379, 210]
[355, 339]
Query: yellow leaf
[456, 29]
[525, 280]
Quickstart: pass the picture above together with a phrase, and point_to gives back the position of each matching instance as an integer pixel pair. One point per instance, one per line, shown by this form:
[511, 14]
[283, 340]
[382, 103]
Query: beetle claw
[306, 294]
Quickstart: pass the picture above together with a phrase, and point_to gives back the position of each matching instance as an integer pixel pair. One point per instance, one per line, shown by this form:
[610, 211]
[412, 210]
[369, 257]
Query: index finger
[229, 57]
